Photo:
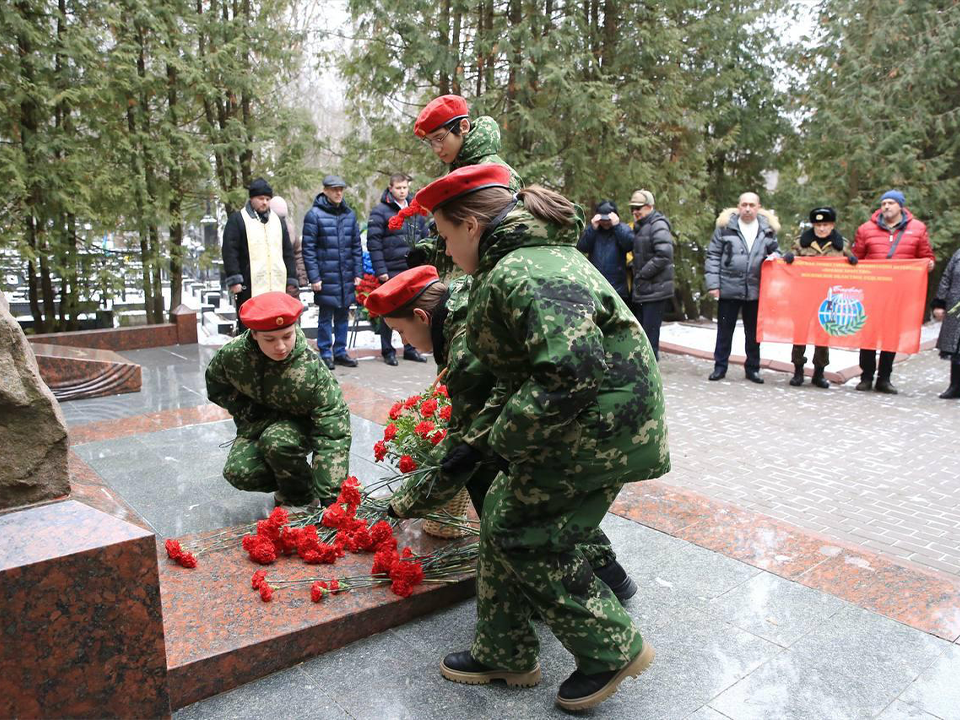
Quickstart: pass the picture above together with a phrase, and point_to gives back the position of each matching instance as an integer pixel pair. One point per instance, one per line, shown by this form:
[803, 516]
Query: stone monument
[33, 436]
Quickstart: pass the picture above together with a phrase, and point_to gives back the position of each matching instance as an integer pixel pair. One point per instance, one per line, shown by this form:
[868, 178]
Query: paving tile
[899, 710]
[707, 713]
[775, 609]
[859, 643]
[291, 694]
[937, 690]
[792, 688]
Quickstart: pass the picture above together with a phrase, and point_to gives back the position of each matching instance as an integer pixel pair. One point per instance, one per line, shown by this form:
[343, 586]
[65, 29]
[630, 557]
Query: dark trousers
[386, 341]
[650, 315]
[727, 311]
[868, 364]
[821, 356]
[339, 318]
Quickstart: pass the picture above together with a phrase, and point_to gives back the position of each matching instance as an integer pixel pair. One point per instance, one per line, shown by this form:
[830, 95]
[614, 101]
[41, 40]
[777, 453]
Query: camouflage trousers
[596, 547]
[276, 460]
[531, 557]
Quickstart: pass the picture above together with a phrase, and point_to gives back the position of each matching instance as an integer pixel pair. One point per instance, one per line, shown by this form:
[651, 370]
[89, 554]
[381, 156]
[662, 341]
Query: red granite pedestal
[81, 624]
[220, 634]
[73, 373]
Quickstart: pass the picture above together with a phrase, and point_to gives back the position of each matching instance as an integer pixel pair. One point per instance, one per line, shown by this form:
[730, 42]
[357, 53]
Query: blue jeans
[340, 318]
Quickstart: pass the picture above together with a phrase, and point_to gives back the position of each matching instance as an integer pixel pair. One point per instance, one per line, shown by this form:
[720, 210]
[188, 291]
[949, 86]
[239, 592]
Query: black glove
[501, 463]
[788, 257]
[852, 259]
[416, 257]
[459, 459]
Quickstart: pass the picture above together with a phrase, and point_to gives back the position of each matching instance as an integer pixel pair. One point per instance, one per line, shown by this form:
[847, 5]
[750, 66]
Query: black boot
[953, 392]
[615, 577]
[885, 386]
[797, 379]
[462, 668]
[581, 691]
[866, 383]
[818, 379]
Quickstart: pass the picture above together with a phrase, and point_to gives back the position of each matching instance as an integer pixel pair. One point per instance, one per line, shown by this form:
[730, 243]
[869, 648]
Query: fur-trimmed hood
[723, 219]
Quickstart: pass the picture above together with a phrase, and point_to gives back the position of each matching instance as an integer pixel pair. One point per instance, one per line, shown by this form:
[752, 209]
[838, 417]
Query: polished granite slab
[82, 628]
[74, 373]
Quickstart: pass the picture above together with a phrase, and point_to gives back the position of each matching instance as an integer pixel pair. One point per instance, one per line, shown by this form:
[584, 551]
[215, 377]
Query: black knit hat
[260, 187]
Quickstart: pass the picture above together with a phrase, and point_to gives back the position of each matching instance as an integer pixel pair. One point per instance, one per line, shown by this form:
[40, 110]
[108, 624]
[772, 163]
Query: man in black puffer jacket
[389, 249]
[652, 265]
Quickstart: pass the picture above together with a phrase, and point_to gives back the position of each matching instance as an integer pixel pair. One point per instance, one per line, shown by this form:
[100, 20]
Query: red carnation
[384, 560]
[389, 544]
[395, 223]
[186, 560]
[441, 390]
[173, 549]
[316, 592]
[407, 464]
[411, 401]
[390, 432]
[407, 552]
[401, 588]
[424, 428]
[289, 540]
[362, 539]
[380, 532]
[334, 587]
[379, 450]
[279, 517]
[263, 552]
[258, 578]
[334, 516]
[445, 412]
[266, 592]
[267, 529]
[438, 436]
[350, 492]
[396, 410]
[428, 408]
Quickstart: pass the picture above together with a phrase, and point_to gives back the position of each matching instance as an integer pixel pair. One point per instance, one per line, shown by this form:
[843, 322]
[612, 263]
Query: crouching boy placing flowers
[286, 405]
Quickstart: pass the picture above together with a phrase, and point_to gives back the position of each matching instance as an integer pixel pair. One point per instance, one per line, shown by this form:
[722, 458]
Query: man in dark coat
[334, 260]
[389, 249]
[946, 307]
[652, 265]
[744, 237]
[606, 242]
[257, 251]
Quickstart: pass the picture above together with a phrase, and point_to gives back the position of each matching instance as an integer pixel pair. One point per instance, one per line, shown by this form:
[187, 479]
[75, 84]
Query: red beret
[270, 311]
[438, 112]
[461, 182]
[401, 289]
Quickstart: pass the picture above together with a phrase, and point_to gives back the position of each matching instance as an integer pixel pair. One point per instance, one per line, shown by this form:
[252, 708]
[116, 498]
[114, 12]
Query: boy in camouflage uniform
[581, 414]
[444, 125]
[285, 405]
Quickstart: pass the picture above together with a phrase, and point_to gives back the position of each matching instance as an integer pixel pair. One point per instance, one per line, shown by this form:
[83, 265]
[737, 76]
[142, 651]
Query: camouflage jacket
[469, 385]
[577, 379]
[258, 391]
[480, 146]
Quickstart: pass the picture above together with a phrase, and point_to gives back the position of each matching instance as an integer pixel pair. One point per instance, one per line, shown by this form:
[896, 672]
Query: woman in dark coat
[946, 307]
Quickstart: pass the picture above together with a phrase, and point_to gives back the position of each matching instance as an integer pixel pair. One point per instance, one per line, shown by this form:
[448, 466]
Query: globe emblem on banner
[842, 312]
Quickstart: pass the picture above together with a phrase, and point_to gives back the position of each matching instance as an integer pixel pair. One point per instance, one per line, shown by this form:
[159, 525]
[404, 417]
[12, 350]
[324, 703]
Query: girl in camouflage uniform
[285, 405]
[579, 413]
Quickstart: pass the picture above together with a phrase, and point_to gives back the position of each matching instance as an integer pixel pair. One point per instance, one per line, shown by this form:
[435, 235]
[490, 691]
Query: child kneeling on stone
[286, 405]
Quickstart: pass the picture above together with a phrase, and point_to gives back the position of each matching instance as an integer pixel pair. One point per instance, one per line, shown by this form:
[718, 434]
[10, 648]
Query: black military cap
[823, 214]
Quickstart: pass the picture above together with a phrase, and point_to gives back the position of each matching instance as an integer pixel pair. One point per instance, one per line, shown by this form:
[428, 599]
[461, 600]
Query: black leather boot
[462, 668]
[953, 392]
[885, 386]
[615, 577]
[818, 379]
[797, 379]
[581, 691]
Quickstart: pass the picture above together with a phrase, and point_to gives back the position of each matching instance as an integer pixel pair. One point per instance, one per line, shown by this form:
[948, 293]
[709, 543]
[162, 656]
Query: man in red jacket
[891, 233]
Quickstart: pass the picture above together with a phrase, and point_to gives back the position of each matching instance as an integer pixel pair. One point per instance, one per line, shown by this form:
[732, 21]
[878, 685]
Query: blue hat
[894, 195]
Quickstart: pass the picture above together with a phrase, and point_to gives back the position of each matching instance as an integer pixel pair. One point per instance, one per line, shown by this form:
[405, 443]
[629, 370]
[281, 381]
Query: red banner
[874, 304]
